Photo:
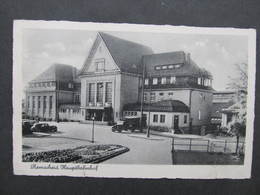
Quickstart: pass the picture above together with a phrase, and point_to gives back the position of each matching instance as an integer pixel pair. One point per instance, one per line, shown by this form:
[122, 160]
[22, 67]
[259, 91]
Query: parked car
[43, 127]
[129, 123]
[26, 126]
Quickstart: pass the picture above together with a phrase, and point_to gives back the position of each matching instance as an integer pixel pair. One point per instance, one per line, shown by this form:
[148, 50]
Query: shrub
[160, 128]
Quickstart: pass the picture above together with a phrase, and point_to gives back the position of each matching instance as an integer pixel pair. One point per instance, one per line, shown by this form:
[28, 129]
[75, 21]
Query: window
[170, 93]
[163, 80]
[177, 66]
[171, 66]
[33, 102]
[91, 92]
[28, 102]
[161, 94]
[185, 119]
[199, 80]
[162, 118]
[44, 102]
[100, 92]
[145, 97]
[164, 67]
[70, 85]
[50, 102]
[157, 67]
[39, 102]
[100, 65]
[48, 84]
[77, 98]
[135, 113]
[173, 80]
[146, 81]
[108, 94]
[155, 118]
[155, 81]
[152, 96]
[199, 115]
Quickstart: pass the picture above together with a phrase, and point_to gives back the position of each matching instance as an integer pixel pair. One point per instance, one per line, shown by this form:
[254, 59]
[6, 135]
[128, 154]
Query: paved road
[156, 150]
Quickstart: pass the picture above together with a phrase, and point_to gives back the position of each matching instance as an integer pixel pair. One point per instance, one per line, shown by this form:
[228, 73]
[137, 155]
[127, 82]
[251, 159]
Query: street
[153, 150]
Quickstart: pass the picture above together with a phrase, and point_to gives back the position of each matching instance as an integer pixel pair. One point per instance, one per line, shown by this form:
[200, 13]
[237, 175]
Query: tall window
[100, 65]
[99, 92]
[146, 81]
[152, 97]
[28, 102]
[155, 81]
[199, 81]
[155, 118]
[108, 92]
[33, 102]
[91, 92]
[50, 102]
[199, 115]
[173, 80]
[44, 103]
[162, 118]
[185, 119]
[163, 80]
[145, 97]
[39, 102]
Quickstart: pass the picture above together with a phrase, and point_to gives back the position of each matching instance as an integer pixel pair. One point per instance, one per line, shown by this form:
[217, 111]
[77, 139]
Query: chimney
[188, 58]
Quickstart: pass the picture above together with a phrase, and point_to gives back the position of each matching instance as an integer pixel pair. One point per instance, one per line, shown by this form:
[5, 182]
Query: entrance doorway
[176, 122]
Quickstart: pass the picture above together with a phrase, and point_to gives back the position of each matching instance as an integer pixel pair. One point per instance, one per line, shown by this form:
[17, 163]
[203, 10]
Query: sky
[216, 53]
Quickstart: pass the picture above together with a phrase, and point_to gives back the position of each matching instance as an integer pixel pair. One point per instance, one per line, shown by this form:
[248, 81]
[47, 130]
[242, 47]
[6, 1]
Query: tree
[239, 83]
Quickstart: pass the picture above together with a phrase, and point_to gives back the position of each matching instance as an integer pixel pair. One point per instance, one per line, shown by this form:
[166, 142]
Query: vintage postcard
[133, 101]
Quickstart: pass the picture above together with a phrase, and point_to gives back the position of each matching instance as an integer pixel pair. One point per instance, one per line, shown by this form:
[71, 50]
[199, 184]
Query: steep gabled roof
[188, 66]
[126, 54]
[61, 72]
[160, 106]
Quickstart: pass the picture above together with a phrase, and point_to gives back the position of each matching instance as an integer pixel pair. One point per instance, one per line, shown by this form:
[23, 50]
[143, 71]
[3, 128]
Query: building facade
[174, 76]
[47, 92]
[110, 78]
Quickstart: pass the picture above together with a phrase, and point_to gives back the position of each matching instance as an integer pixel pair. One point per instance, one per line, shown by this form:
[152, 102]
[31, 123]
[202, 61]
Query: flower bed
[82, 154]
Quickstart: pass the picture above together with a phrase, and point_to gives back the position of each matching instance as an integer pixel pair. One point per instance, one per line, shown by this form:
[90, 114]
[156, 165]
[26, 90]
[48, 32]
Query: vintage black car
[131, 123]
[43, 127]
[27, 125]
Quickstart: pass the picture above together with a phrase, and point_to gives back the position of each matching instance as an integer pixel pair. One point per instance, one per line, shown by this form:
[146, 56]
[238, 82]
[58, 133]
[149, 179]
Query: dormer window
[100, 65]
[155, 81]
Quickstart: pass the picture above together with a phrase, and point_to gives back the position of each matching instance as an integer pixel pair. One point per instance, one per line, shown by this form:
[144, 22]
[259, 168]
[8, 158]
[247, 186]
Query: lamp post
[93, 126]
[149, 107]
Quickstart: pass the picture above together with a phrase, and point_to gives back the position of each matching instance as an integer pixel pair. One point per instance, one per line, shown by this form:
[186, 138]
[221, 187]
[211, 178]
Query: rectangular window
[171, 66]
[33, 101]
[185, 119]
[77, 98]
[145, 97]
[100, 92]
[163, 80]
[155, 81]
[157, 67]
[199, 81]
[91, 92]
[44, 102]
[199, 115]
[162, 118]
[152, 97]
[108, 92]
[161, 94]
[28, 102]
[39, 102]
[170, 93]
[155, 118]
[164, 67]
[146, 81]
[100, 65]
[50, 102]
[173, 80]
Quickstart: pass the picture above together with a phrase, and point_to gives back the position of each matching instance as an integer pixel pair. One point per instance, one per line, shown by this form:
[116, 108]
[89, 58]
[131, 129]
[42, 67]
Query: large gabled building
[110, 77]
[54, 87]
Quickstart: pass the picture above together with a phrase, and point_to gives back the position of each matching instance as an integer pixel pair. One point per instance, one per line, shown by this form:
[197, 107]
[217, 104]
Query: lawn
[82, 154]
